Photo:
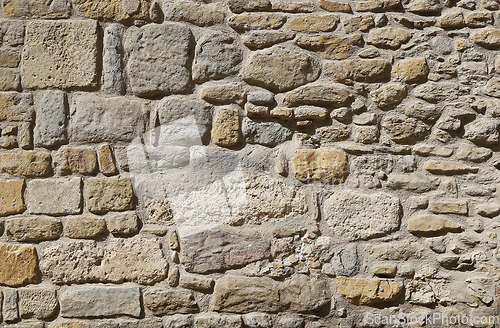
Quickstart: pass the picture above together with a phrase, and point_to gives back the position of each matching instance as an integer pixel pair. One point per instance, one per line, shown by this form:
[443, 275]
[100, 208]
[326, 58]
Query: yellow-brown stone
[335, 6]
[257, 21]
[9, 58]
[226, 128]
[489, 38]
[326, 165]
[11, 197]
[313, 23]
[361, 291]
[332, 46]
[26, 163]
[109, 194]
[118, 10]
[106, 160]
[19, 264]
[411, 70]
[452, 20]
[79, 160]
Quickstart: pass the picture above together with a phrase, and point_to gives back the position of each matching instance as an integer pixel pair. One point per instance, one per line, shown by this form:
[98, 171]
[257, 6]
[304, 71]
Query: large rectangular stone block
[54, 196]
[19, 265]
[60, 54]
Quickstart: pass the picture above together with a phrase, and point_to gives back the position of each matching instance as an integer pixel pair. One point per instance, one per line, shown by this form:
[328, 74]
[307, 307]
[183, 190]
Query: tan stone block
[118, 10]
[37, 9]
[37, 303]
[319, 165]
[479, 19]
[377, 5]
[335, 6]
[84, 227]
[448, 207]
[319, 95]
[26, 163]
[452, 20]
[489, 38]
[223, 93]
[432, 224]
[60, 54]
[79, 160]
[361, 291]
[257, 21]
[123, 224]
[226, 128]
[332, 46]
[106, 160]
[109, 194]
[19, 264]
[361, 23]
[11, 197]
[411, 70]
[9, 58]
[388, 37]
[313, 23]
[239, 6]
[16, 107]
[10, 80]
[33, 229]
[368, 70]
[448, 167]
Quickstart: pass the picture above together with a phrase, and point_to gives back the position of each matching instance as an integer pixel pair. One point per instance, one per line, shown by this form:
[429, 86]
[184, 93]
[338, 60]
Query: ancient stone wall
[249, 163]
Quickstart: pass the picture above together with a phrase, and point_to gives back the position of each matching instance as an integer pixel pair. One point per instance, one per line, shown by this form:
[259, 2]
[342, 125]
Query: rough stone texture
[109, 194]
[10, 80]
[194, 13]
[388, 95]
[33, 229]
[265, 133]
[264, 39]
[431, 224]
[388, 37]
[11, 197]
[85, 227]
[411, 70]
[37, 303]
[321, 95]
[347, 213]
[123, 224]
[26, 163]
[16, 107]
[167, 71]
[404, 129]
[106, 161]
[54, 196]
[78, 160]
[112, 70]
[331, 46]
[226, 127]
[368, 291]
[251, 21]
[61, 54]
[19, 265]
[370, 70]
[280, 69]
[37, 9]
[319, 165]
[114, 9]
[162, 301]
[10, 310]
[51, 120]
[312, 23]
[447, 167]
[88, 302]
[239, 6]
[210, 320]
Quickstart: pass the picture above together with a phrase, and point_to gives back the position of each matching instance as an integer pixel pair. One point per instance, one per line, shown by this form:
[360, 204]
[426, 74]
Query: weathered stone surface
[388, 37]
[472, 153]
[84, 227]
[347, 213]
[257, 21]
[37, 303]
[411, 70]
[106, 161]
[483, 131]
[167, 70]
[178, 321]
[78, 160]
[404, 129]
[321, 95]
[96, 301]
[16, 107]
[123, 224]
[109, 194]
[12, 32]
[489, 38]
[10, 80]
[265, 133]
[239, 6]
[211, 251]
[10, 310]
[490, 209]
[51, 120]
[112, 57]
[240, 294]
[226, 127]
[331, 46]
[414, 182]
[196, 282]
[319, 165]
[280, 69]
[304, 295]
[362, 291]
[212, 320]
[478, 19]
[33, 229]
[263, 39]
[431, 224]
[37, 9]
[60, 54]
[217, 55]
[11, 197]
[335, 6]
[437, 91]
[448, 207]
[491, 88]
[370, 70]
[26, 163]
[447, 167]
[19, 265]
[293, 7]
[422, 110]
[54, 196]
[377, 5]
[361, 23]
[9, 58]
[309, 113]
[313, 23]
[389, 94]
[194, 13]
[333, 133]
[161, 301]
[257, 320]
[452, 20]
[118, 10]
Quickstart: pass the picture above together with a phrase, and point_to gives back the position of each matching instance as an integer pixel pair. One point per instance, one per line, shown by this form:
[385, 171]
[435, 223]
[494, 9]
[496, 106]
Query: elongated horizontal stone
[326, 165]
[432, 224]
[362, 291]
[26, 163]
[451, 206]
[414, 182]
[163, 301]
[327, 95]
[33, 229]
[54, 196]
[447, 167]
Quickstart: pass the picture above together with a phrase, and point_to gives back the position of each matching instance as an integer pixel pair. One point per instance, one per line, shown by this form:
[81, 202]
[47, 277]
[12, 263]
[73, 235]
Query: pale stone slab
[51, 120]
[54, 196]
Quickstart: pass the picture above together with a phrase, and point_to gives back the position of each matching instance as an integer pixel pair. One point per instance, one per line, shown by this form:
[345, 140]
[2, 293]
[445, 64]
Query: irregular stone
[488, 209]
[194, 13]
[362, 291]
[304, 295]
[209, 320]
[95, 301]
[472, 153]
[78, 160]
[255, 111]
[54, 196]
[313, 23]
[309, 113]
[123, 224]
[434, 92]
[424, 6]
[397, 251]
[51, 120]
[491, 88]
[196, 282]
[349, 71]
[422, 111]
[483, 131]
[37, 303]
[293, 7]
[446, 167]
[11, 197]
[256, 21]
[112, 57]
[233, 250]
[428, 149]
[97, 119]
[388, 37]
[178, 321]
[162, 301]
[321, 95]
[331, 46]
[414, 182]
[347, 213]
[240, 294]
[263, 39]
[16, 107]
[109, 194]
[117, 10]
[226, 127]
[106, 161]
[335, 6]
[216, 56]
[26, 163]
[359, 23]
[37, 9]
[223, 93]
[448, 207]
[452, 20]
[335, 132]
[280, 69]
[265, 133]
[431, 224]
[33, 229]
[167, 71]
[404, 129]
[389, 94]
[411, 70]
[10, 310]
[479, 19]
[239, 6]
[326, 165]
[377, 5]
[365, 134]
[10, 80]
[68, 51]
[84, 227]
[488, 38]
[19, 265]
[257, 320]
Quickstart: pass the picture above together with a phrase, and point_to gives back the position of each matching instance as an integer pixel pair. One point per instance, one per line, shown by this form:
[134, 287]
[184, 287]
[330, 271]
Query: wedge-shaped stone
[54, 196]
[432, 224]
[118, 10]
[109, 194]
[11, 197]
[33, 229]
[361, 291]
[447, 167]
[353, 215]
[414, 182]
[452, 206]
[60, 54]
[97, 301]
[323, 165]
[39, 303]
[162, 301]
[370, 70]
[334, 95]
[19, 265]
[489, 209]
[26, 163]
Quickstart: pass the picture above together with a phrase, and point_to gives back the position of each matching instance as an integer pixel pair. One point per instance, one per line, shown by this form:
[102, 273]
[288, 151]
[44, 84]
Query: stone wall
[248, 163]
